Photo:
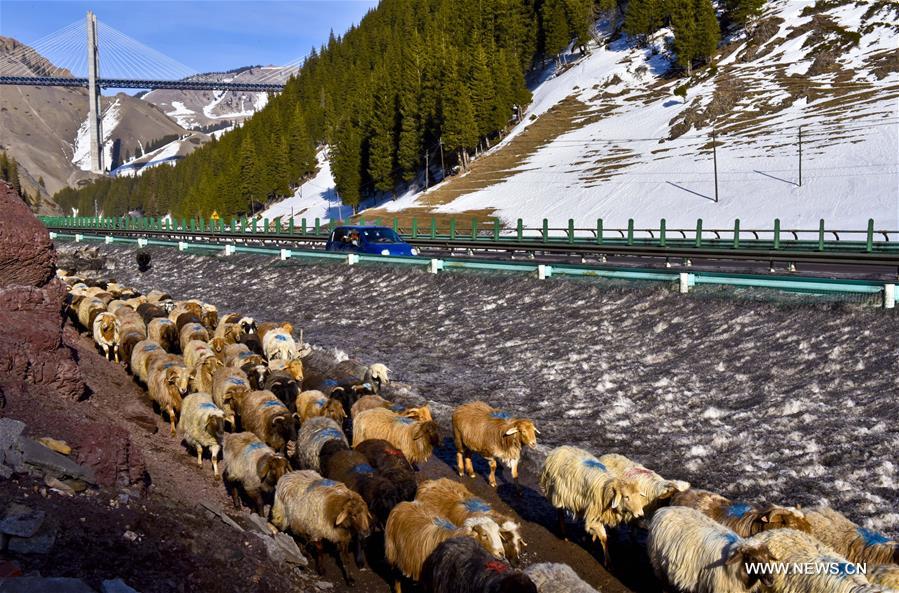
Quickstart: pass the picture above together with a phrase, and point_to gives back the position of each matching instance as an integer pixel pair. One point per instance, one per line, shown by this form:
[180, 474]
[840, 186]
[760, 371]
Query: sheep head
[271, 467]
[487, 533]
[283, 385]
[510, 532]
[215, 425]
[671, 487]
[428, 431]
[295, 368]
[778, 517]
[379, 373]
[422, 414]
[284, 426]
[524, 431]
[333, 409]
[210, 316]
[247, 325]
[624, 498]
[218, 345]
[747, 553]
[176, 381]
[353, 515]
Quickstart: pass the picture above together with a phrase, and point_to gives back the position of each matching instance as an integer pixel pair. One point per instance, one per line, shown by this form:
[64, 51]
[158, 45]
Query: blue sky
[207, 35]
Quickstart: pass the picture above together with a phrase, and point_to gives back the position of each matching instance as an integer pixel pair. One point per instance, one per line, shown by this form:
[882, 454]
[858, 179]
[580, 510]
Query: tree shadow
[695, 193]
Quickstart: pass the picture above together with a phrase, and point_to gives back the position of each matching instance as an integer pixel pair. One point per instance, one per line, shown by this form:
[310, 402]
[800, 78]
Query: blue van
[371, 240]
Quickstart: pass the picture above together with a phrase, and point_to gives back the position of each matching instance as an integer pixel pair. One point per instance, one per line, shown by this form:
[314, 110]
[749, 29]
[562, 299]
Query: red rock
[27, 257]
[109, 451]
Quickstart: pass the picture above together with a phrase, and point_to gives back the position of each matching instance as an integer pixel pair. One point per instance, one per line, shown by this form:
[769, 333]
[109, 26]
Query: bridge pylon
[93, 90]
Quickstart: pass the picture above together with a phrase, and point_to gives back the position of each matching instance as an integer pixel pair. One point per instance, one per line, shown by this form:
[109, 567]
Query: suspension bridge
[71, 57]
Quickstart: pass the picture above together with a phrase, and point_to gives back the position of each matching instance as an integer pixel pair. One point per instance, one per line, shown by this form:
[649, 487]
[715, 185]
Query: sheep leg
[469, 467]
[215, 466]
[200, 456]
[105, 351]
[235, 496]
[115, 349]
[260, 504]
[171, 412]
[492, 462]
[397, 586]
[562, 531]
[360, 555]
[343, 563]
[317, 552]
[459, 463]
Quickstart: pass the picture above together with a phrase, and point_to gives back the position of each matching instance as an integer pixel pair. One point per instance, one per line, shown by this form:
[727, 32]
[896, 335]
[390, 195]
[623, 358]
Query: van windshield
[381, 236]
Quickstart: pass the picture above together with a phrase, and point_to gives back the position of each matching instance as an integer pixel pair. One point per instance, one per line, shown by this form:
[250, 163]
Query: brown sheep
[132, 330]
[253, 466]
[106, 334]
[162, 331]
[190, 332]
[369, 402]
[229, 386]
[142, 357]
[310, 404]
[742, 518]
[494, 434]
[88, 309]
[218, 346]
[268, 418]
[203, 372]
[416, 439]
[167, 384]
[293, 366]
[182, 307]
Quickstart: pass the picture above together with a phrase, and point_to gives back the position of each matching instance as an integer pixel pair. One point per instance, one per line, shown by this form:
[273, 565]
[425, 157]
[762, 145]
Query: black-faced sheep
[162, 331]
[312, 436]
[311, 404]
[460, 565]
[202, 426]
[857, 543]
[493, 434]
[106, 334]
[743, 518]
[392, 464]
[253, 466]
[167, 384]
[267, 417]
[283, 385]
[575, 480]
[550, 577]
[654, 487]
[695, 554]
[416, 439]
[229, 387]
[321, 510]
[500, 534]
[351, 467]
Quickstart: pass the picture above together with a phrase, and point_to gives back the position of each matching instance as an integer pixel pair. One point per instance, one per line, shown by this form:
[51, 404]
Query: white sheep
[202, 425]
[655, 487]
[279, 344]
[550, 577]
[106, 334]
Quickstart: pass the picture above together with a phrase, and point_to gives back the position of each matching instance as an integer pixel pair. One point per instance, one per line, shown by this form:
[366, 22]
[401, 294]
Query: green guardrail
[776, 238]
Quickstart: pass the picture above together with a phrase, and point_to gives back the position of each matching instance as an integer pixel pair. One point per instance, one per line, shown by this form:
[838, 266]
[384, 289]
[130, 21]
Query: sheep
[416, 439]
[188, 318]
[376, 374]
[162, 331]
[229, 387]
[294, 367]
[167, 384]
[225, 324]
[794, 548]
[218, 346]
[202, 426]
[229, 332]
[151, 311]
[195, 351]
[655, 487]
[857, 543]
[312, 436]
[268, 418]
[182, 307]
[88, 309]
[281, 383]
[501, 535]
[253, 466]
[210, 316]
[203, 372]
[575, 480]
[369, 402]
[142, 357]
[390, 462]
[744, 518]
[460, 565]
[157, 296]
[310, 404]
[192, 331]
[494, 434]
[694, 554]
[351, 467]
[264, 328]
[106, 334]
[279, 344]
[320, 510]
[132, 330]
[239, 356]
[413, 532]
[884, 575]
[551, 577]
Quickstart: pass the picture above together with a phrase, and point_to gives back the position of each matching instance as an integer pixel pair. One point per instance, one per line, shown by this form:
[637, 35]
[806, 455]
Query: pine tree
[708, 32]
[459, 126]
[580, 19]
[14, 176]
[696, 31]
[301, 157]
[249, 186]
[644, 17]
[555, 27]
[381, 134]
[742, 12]
[346, 164]
[481, 92]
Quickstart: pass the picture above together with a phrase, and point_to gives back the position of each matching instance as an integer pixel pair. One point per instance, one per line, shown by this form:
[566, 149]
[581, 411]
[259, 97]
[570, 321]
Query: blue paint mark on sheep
[443, 523]
[363, 468]
[254, 446]
[397, 407]
[236, 381]
[871, 537]
[731, 539]
[404, 420]
[150, 347]
[244, 354]
[595, 464]
[272, 403]
[499, 415]
[169, 365]
[280, 337]
[327, 434]
[321, 402]
[208, 406]
[330, 383]
[738, 510]
[476, 505]
[323, 483]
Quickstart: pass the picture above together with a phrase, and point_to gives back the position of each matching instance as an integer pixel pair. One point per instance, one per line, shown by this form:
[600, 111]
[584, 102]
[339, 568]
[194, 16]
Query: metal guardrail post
[599, 231]
[318, 227]
[396, 224]
[452, 229]
[433, 228]
[474, 229]
[414, 228]
[630, 231]
[303, 226]
[737, 233]
[496, 229]
[869, 242]
[545, 230]
[889, 296]
[662, 229]
[699, 232]
[519, 229]
[821, 235]
[570, 230]
[776, 233]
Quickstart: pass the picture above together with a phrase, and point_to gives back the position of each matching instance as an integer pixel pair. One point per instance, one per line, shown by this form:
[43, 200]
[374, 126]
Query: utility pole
[715, 164]
[800, 156]
[442, 162]
[426, 168]
[93, 94]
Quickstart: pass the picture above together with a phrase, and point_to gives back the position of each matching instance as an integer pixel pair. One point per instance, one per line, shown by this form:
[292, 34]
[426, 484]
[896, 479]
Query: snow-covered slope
[316, 198]
[624, 146]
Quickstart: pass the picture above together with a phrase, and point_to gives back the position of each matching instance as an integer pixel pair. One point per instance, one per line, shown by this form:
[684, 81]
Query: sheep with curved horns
[163, 331]
[501, 535]
[655, 487]
[857, 543]
[106, 334]
[318, 510]
[312, 436]
[413, 532]
[284, 386]
[550, 577]
[253, 466]
[460, 565]
[229, 387]
[190, 332]
[744, 518]
[167, 384]
[267, 417]
[370, 402]
[416, 439]
[575, 480]
[142, 357]
[311, 404]
[479, 428]
[694, 554]
[392, 464]
[202, 426]
[795, 548]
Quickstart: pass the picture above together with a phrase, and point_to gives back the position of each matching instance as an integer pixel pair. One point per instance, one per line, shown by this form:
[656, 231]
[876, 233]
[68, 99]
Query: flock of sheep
[279, 412]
